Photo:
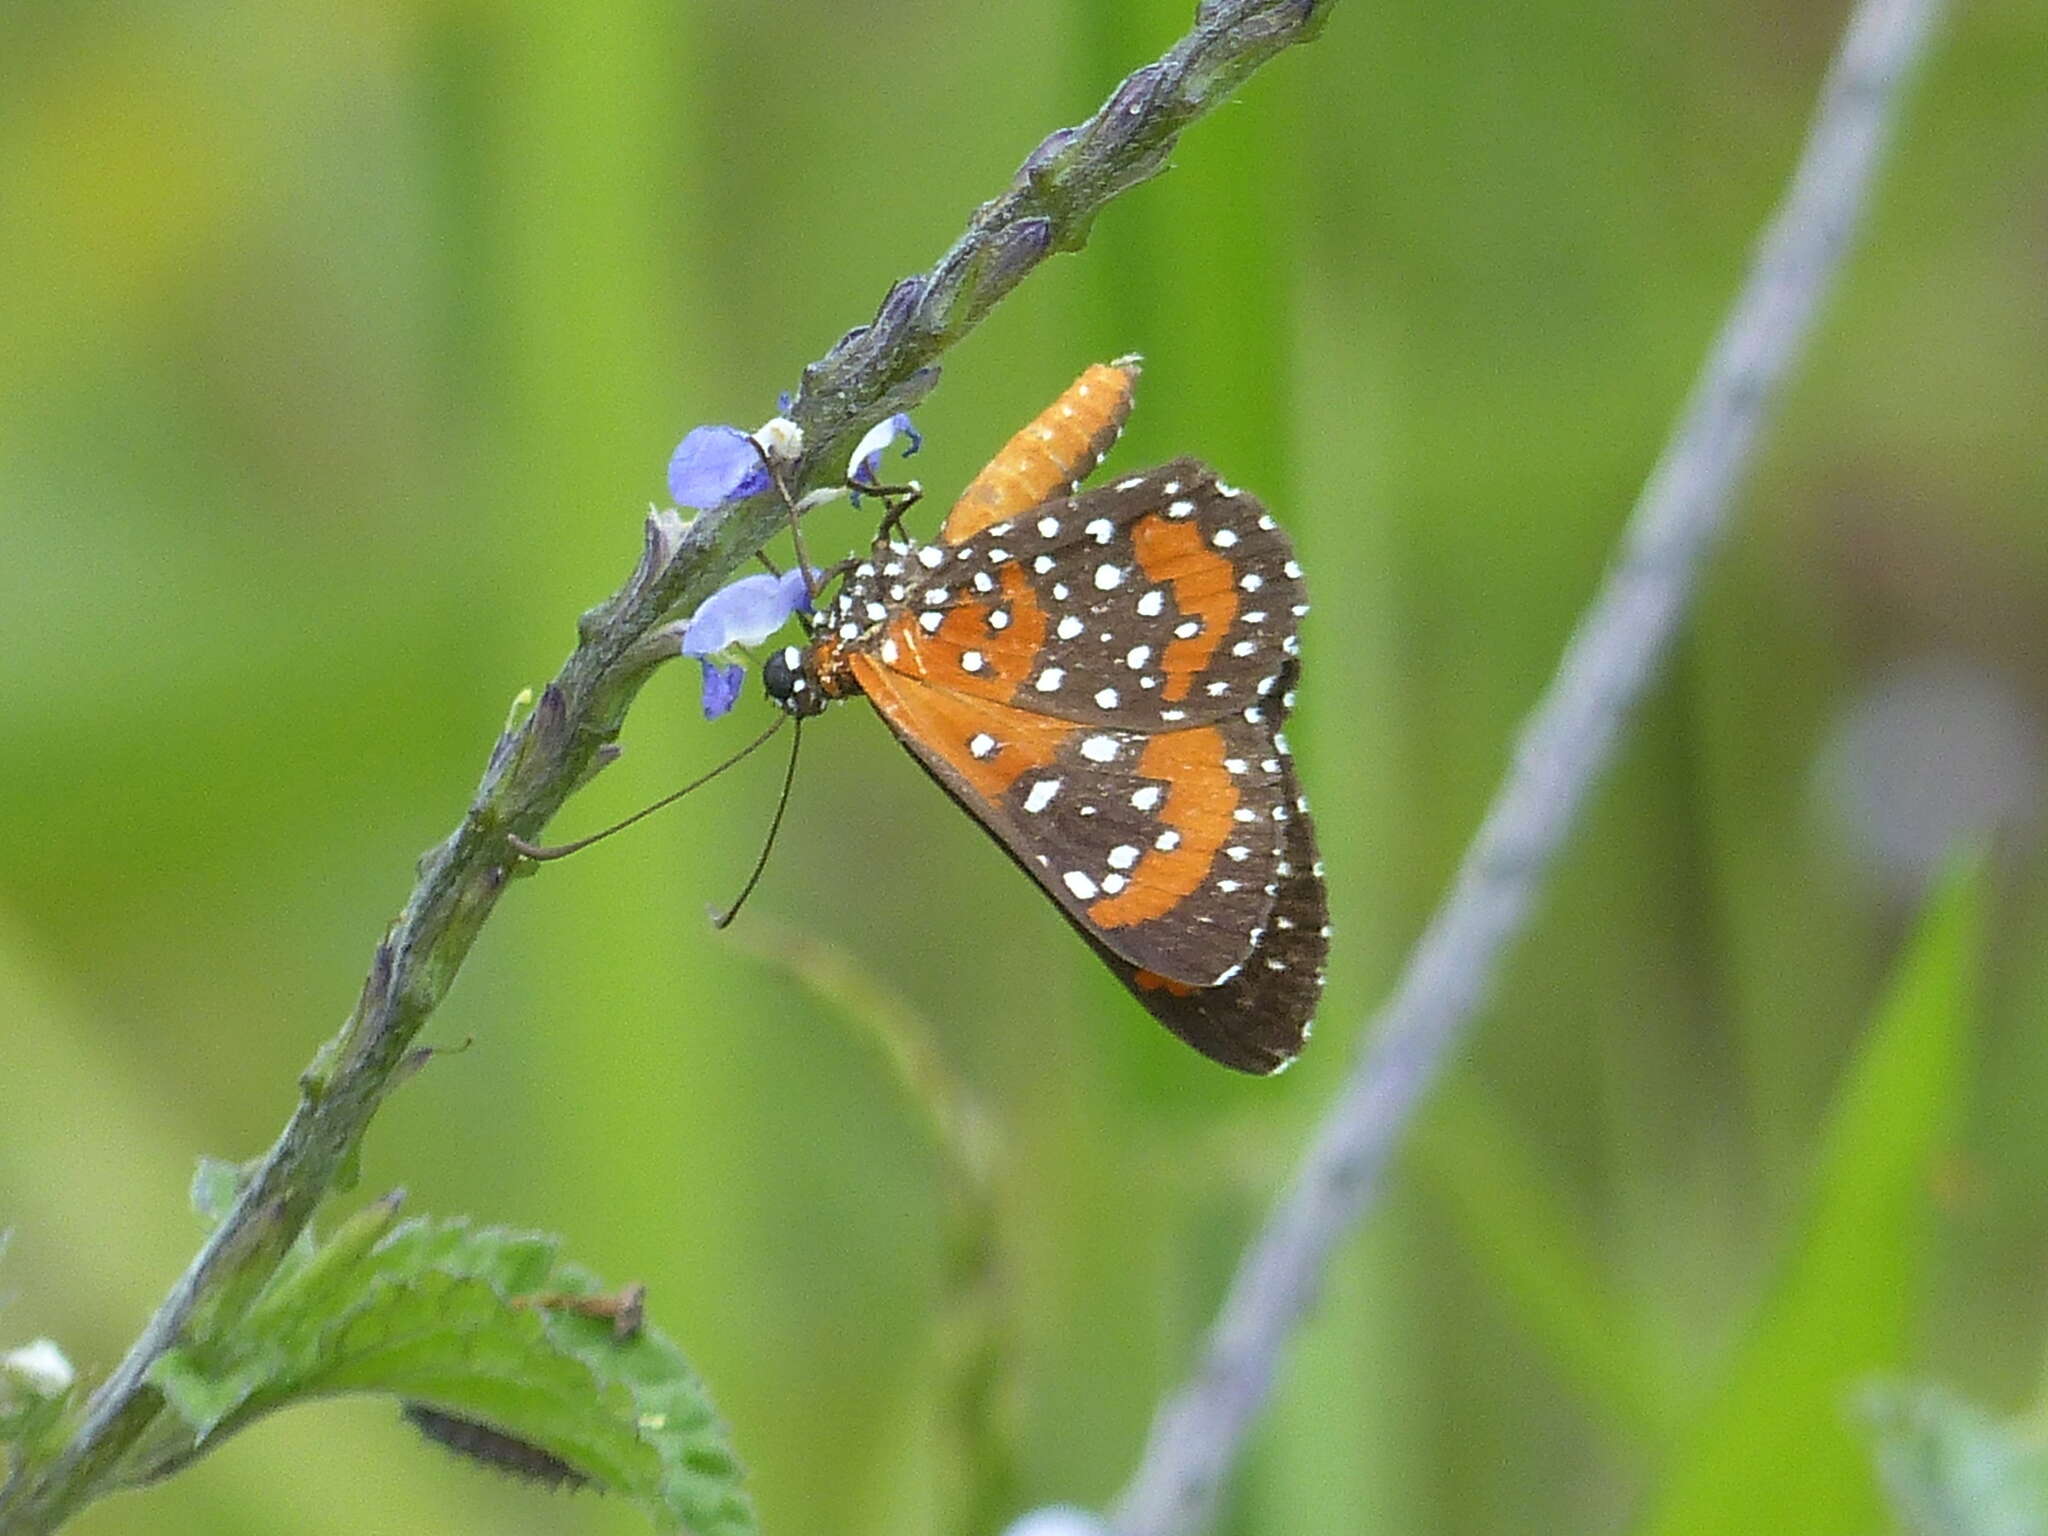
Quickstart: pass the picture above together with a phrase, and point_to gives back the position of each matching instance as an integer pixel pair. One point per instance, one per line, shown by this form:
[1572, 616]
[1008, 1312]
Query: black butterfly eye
[789, 684]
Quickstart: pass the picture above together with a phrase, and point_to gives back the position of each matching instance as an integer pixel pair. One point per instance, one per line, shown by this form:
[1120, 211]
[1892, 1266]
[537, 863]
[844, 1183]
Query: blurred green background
[342, 347]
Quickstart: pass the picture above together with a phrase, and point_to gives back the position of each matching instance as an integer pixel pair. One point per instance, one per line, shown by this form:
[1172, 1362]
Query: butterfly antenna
[540, 854]
[724, 919]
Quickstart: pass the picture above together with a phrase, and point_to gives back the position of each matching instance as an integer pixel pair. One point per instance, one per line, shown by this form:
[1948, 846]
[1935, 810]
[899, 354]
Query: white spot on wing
[1099, 749]
[1108, 577]
[1082, 887]
[1041, 795]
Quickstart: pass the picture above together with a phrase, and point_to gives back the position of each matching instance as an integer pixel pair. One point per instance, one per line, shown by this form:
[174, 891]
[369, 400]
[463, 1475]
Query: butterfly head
[792, 683]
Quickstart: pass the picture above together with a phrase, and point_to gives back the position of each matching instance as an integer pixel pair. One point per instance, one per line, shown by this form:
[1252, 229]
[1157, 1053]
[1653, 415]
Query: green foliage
[34, 1402]
[1773, 1436]
[477, 1323]
[1950, 1469]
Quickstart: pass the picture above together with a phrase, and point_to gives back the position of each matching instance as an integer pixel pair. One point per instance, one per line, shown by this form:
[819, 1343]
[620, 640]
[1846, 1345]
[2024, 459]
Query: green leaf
[476, 1323]
[212, 1374]
[1950, 1469]
[1773, 1437]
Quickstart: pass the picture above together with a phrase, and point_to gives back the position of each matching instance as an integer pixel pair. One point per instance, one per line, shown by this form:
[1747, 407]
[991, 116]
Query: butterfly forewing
[1167, 845]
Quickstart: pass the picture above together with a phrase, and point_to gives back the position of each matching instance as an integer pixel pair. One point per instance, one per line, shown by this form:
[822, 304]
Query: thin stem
[874, 370]
[1568, 740]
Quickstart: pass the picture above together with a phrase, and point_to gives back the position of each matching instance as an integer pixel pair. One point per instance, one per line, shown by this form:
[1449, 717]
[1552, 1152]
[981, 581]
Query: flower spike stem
[873, 371]
[1568, 739]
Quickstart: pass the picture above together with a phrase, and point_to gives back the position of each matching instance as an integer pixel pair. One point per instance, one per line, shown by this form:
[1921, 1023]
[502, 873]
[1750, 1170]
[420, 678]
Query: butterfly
[1099, 678]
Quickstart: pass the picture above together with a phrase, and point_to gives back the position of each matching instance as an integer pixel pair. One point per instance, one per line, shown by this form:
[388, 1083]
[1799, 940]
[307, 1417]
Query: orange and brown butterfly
[1099, 678]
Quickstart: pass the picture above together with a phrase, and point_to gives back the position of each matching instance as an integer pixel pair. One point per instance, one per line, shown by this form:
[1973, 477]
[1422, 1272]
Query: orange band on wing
[1171, 553]
[1201, 800]
[1048, 458]
[947, 725]
[1008, 654]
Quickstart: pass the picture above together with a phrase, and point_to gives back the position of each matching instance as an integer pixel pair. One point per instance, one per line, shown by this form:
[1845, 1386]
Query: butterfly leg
[796, 538]
[896, 501]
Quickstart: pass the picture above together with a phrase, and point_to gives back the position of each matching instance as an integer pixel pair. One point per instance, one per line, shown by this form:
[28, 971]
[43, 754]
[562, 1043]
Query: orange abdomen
[1052, 455]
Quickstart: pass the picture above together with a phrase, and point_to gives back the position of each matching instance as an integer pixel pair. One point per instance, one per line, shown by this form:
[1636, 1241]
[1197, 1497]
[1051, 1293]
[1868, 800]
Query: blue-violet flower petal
[866, 462]
[746, 612]
[721, 687]
[715, 465]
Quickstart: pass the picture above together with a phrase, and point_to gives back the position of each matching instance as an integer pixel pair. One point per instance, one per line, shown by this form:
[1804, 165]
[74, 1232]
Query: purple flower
[721, 686]
[740, 614]
[714, 465]
[866, 463]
